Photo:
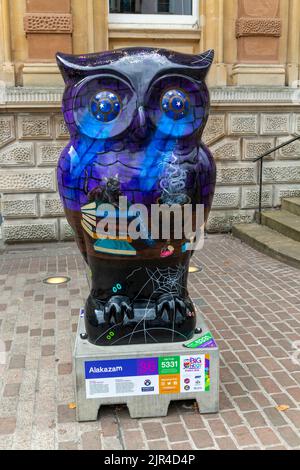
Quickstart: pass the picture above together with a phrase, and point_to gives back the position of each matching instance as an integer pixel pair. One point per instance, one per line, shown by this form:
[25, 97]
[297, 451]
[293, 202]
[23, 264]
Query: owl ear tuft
[203, 62]
[65, 66]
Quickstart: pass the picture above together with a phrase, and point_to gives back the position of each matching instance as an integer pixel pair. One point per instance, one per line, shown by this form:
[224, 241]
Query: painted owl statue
[136, 117]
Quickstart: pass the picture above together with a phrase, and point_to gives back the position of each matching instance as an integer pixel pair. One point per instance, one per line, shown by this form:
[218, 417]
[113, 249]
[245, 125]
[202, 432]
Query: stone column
[258, 33]
[212, 13]
[7, 73]
[90, 20]
[48, 26]
[293, 55]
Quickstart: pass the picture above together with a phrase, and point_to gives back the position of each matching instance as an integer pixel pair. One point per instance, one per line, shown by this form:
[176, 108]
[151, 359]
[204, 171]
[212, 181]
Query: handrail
[261, 160]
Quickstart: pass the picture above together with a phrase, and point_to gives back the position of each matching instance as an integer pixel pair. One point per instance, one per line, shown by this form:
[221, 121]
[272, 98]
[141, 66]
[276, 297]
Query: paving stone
[65, 368]
[267, 437]
[226, 443]
[65, 414]
[22, 329]
[158, 445]
[70, 445]
[290, 437]
[193, 421]
[217, 427]
[243, 436]
[48, 350]
[255, 419]
[134, 440]
[36, 332]
[245, 404]
[11, 390]
[176, 433]
[153, 430]
[202, 439]
[276, 417]
[182, 446]
[48, 333]
[17, 362]
[232, 418]
[91, 440]
[7, 425]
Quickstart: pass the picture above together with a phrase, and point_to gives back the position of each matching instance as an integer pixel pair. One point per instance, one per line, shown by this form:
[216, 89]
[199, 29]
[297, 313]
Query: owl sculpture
[135, 117]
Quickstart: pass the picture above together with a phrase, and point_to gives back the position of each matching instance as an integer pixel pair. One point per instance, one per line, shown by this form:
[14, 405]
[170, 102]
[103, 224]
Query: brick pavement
[252, 305]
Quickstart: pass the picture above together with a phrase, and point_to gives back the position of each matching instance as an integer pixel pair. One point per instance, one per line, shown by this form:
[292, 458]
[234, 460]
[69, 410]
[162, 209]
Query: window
[182, 13]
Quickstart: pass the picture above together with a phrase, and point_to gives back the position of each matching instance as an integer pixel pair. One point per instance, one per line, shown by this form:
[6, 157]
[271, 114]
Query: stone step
[292, 205]
[283, 222]
[269, 242]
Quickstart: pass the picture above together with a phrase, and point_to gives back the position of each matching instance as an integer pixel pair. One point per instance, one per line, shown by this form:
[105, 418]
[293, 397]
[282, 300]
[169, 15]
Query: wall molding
[23, 97]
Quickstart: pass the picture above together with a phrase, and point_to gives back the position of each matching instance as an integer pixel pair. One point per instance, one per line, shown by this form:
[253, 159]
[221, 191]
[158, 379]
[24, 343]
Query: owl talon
[172, 308]
[116, 309]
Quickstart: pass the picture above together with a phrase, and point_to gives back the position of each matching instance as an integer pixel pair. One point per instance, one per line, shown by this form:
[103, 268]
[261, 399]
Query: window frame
[158, 21]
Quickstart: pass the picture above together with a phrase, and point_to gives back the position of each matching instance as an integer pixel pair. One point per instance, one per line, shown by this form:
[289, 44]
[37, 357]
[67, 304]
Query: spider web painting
[164, 281]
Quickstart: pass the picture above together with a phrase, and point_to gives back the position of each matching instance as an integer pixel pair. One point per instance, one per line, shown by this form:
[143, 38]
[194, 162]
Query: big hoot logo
[136, 118]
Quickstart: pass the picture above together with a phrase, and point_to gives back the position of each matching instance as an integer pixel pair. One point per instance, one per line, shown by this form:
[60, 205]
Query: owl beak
[142, 116]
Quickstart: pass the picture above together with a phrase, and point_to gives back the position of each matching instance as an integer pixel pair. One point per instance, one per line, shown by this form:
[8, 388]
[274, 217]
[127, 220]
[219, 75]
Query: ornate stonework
[240, 174]
[27, 181]
[227, 149]
[17, 206]
[250, 197]
[275, 124]
[61, 130]
[51, 205]
[258, 27]
[48, 23]
[290, 152]
[291, 190]
[253, 148]
[7, 130]
[48, 153]
[227, 198]
[66, 232]
[17, 154]
[281, 172]
[31, 231]
[220, 221]
[215, 129]
[34, 127]
[240, 124]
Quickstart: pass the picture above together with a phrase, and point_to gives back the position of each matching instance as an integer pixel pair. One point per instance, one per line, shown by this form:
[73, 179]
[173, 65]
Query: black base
[117, 322]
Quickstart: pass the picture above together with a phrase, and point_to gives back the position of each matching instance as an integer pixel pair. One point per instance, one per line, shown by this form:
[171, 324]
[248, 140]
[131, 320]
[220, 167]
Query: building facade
[254, 86]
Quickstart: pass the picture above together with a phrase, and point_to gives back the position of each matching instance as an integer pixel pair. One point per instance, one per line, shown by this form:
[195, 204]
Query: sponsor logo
[147, 383]
[187, 388]
[187, 381]
[147, 389]
[192, 364]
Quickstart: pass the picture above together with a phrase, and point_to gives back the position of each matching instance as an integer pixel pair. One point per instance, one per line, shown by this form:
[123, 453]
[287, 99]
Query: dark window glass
[163, 6]
[152, 7]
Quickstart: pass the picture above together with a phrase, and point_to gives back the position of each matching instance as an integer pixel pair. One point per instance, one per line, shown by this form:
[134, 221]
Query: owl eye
[106, 106]
[175, 104]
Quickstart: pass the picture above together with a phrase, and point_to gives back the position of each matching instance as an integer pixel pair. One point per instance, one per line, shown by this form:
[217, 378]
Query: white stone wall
[30, 145]
[244, 123]
[236, 138]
